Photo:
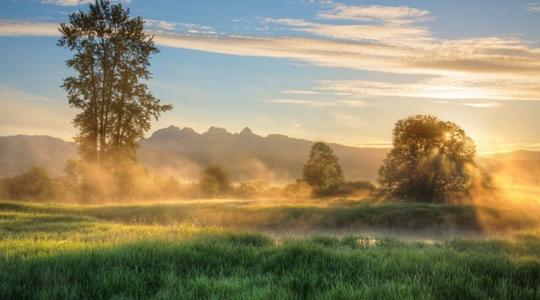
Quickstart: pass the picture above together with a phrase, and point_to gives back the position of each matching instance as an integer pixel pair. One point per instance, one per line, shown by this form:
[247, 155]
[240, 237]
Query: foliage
[353, 187]
[298, 190]
[34, 184]
[111, 62]
[214, 182]
[322, 170]
[431, 160]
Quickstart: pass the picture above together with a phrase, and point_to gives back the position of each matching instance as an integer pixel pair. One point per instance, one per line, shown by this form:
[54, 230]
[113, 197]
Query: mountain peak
[168, 131]
[246, 131]
[188, 130]
[216, 131]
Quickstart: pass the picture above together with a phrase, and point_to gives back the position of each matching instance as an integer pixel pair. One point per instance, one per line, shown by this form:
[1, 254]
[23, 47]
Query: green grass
[314, 215]
[97, 252]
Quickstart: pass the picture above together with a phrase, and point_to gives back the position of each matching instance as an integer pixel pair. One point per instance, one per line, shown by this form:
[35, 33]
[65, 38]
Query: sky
[336, 71]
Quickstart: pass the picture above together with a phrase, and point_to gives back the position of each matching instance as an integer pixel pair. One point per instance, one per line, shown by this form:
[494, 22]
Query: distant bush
[355, 187]
[214, 182]
[34, 184]
[257, 189]
[297, 190]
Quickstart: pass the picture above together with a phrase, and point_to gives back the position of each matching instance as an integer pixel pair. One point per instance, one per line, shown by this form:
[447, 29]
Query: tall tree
[322, 170]
[111, 60]
[431, 160]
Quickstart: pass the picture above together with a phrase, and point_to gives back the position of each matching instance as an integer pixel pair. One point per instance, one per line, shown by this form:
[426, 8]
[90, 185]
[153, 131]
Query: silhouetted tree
[111, 60]
[214, 181]
[431, 160]
[322, 170]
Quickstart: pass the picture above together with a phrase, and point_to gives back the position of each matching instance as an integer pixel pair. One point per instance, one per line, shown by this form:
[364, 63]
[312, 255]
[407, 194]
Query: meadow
[233, 249]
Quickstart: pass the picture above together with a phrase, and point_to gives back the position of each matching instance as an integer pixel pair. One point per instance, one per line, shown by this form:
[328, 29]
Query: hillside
[20, 152]
[184, 152]
[246, 155]
[276, 157]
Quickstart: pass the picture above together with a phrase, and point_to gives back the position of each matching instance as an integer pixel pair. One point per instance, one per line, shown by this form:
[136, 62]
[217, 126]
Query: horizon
[337, 71]
[202, 132]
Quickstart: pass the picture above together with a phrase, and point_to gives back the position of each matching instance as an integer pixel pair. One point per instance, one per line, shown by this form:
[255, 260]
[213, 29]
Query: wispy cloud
[75, 2]
[483, 56]
[390, 33]
[326, 103]
[445, 87]
[533, 7]
[158, 26]
[301, 92]
[376, 13]
[24, 28]
[374, 38]
[483, 104]
[303, 102]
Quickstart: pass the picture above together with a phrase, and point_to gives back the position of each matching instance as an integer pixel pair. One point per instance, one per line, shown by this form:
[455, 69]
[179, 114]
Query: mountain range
[245, 155]
[184, 153]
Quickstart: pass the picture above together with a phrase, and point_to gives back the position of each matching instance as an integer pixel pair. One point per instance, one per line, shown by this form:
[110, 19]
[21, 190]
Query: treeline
[431, 161]
[88, 183]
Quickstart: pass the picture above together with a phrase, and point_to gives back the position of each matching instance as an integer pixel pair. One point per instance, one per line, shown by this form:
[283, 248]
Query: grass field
[214, 250]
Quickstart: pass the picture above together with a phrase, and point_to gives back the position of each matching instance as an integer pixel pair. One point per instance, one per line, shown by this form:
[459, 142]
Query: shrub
[214, 182]
[34, 184]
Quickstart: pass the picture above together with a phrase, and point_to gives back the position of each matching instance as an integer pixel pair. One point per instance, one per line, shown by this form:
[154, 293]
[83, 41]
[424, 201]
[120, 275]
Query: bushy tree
[110, 64]
[322, 170]
[34, 184]
[214, 182]
[431, 160]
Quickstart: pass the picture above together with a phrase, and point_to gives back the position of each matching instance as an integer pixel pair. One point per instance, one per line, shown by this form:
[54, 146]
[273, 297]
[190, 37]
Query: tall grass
[61, 255]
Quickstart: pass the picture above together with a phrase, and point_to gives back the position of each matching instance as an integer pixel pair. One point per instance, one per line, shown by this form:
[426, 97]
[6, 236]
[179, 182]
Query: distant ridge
[20, 152]
[248, 155]
[183, 152]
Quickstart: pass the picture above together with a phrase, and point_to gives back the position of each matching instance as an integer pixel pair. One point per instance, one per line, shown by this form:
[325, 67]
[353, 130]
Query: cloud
[483, 104]
[300, 92]
[372, 38]
[533, 7]
[24, 28]
[75, 2]
[376, 13]
[327, 103]
[160, 24]
[390, 33]
[445, 87]
[482, 56]
[303, 102]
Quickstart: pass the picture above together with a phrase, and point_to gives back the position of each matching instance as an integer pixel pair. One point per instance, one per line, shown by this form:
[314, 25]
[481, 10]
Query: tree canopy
[431, 160]
[110, 64]
[214, 181]
[322, 170]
